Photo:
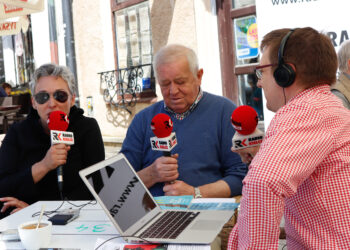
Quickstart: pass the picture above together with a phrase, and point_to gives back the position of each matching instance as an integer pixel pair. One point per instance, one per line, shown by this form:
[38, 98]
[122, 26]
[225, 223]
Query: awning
[13, 15]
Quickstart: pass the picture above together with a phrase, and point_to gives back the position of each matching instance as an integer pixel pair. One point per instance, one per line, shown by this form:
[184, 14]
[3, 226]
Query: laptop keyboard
[169, 225]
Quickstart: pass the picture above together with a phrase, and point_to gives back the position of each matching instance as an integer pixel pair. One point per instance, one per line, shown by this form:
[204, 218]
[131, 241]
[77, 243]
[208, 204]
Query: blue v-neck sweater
[204, 139]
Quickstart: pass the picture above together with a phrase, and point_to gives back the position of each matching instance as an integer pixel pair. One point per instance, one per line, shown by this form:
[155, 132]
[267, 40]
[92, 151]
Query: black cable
[48, 213]
[116, 237]
[284, 246]
[285, 99]
[61, 194]
[92, 202]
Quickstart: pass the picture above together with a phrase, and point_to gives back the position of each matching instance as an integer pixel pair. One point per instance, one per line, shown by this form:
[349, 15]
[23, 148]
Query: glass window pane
[242, 3]
[246, 39]
[250, 94]
[133, 35]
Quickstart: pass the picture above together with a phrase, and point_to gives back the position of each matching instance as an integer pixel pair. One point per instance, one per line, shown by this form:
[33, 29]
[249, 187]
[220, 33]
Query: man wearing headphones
[303, 166]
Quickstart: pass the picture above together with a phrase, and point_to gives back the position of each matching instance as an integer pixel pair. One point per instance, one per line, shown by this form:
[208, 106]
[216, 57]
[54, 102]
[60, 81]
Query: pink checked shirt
[303, 170]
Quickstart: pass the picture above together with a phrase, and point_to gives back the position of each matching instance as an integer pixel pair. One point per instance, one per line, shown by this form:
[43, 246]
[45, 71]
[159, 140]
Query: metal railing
[121, 86]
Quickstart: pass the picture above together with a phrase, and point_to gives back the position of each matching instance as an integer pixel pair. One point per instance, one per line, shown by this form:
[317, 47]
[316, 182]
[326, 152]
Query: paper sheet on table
[187, 202]
[213, 204]
[174, 202]
[110, 245]
[188, 247]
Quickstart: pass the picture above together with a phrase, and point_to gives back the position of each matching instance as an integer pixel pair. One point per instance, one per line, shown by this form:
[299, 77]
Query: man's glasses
[258, 71]
[43, 97]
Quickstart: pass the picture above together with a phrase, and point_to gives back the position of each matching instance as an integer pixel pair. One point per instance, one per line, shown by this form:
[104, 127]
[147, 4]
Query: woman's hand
[56, 156]
[12, 202]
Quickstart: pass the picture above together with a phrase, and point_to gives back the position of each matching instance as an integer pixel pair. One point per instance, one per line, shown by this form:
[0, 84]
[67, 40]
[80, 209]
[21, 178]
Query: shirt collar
[320, 88]
[182, 116]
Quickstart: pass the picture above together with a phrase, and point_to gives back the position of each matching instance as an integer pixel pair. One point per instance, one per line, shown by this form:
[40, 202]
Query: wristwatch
[197, 193]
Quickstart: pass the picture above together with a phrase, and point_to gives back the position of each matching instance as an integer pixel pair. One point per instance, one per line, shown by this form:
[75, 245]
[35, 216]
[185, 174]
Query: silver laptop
[133, 211]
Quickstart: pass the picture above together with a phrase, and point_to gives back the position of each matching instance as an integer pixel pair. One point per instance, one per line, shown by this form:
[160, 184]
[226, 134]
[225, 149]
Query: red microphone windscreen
[161, 125]
[244, 119]
[58, 120]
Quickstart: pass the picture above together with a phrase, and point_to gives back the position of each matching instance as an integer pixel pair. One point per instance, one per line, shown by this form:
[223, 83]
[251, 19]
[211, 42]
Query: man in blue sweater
[202, 163]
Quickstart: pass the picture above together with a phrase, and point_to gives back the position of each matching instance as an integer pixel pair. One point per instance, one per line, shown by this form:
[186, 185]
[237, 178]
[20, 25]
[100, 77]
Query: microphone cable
[60, 182]
[119, 236]
[59, 171]
[285, 99]
[50, 212]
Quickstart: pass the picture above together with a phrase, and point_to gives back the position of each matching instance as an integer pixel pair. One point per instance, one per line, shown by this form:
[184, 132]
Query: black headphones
[284, 73]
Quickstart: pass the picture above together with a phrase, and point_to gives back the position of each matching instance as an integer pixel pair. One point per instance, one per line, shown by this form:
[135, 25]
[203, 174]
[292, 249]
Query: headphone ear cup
[284, 75]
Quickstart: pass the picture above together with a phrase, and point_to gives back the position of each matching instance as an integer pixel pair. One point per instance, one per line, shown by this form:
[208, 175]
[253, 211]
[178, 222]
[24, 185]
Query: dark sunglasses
[59, 95]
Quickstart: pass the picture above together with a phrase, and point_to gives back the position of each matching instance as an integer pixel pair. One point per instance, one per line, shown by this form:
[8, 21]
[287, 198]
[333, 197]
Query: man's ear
[292, 66]
[200, 75]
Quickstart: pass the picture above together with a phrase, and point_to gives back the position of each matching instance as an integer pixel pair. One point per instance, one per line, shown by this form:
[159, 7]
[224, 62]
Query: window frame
[229, 69]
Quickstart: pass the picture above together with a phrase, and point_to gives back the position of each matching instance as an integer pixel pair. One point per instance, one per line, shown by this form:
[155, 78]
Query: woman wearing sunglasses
[28, 161]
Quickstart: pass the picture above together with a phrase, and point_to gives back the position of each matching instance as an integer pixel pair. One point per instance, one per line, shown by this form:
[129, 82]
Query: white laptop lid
[121, 194]
[129, 205]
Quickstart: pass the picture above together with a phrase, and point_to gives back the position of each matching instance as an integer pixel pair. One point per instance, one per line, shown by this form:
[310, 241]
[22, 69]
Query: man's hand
[178, 188]
[12, 202]
[164, 169]
[246, 154]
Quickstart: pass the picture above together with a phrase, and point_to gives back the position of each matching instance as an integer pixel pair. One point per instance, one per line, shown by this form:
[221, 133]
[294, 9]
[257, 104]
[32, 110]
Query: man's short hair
[173, 52]
[344, 56]
[311, 52]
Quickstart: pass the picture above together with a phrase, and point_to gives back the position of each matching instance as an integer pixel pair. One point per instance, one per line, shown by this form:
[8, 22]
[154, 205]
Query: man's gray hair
[173, 52]
[51, 69]
[344, 56]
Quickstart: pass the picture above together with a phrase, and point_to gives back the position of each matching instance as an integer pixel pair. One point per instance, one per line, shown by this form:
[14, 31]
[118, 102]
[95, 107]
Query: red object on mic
[58, 120]
[244, 119]
[162, 125]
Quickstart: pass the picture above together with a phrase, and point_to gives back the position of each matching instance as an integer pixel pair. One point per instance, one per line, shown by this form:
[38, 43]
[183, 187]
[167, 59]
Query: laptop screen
[122, 193]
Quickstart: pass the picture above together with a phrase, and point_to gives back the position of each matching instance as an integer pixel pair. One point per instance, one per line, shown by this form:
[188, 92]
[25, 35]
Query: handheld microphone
[164, 139]
[244, 120]
[58, 123]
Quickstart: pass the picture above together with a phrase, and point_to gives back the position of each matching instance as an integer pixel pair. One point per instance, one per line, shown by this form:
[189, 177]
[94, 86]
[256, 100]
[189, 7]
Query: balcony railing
[122, 86]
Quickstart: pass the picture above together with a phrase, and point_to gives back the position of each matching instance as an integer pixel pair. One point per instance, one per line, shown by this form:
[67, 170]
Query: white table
[82, 233]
